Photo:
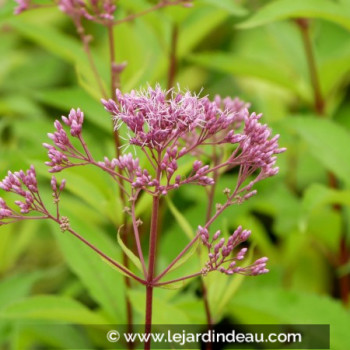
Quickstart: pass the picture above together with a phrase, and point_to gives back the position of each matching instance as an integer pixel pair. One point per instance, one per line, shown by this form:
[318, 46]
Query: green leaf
[175, 285]
[82, 186]
[273, 305]
[48, 334]
[136, 261]
[88, 82]
[51, 39]
[186, 256]
[63, 46]
[16, 287]
[143, 204]
[227, 5]
[73, 97]
[271, 72]
[6, 10]
[193, 31]
[232, 286]
[333, 70]
[51, 308]
[259, 235]
[181, 220]
[319, 195]
[167, 312]
[328, 142]
[104, 284]
[106, 261]
[144, 65]
[15, 241]
[284, 9]
[318, 217]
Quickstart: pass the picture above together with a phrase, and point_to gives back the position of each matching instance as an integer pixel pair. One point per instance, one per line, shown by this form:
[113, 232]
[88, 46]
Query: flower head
[63, 148]
[223, 254]
[153, 117]
[174, 124]
[23, 184]
[158, 118]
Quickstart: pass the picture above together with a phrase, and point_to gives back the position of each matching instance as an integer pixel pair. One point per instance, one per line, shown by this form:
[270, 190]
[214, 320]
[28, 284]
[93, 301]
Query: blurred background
[289, 58]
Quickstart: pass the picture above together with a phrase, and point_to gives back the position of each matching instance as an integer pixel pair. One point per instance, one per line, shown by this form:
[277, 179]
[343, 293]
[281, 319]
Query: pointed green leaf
[16, 287]
[233, 286]
[319, 195]
[167, 312]
[193, 31]
[135, 259]
[175, 285]
[273, 305]
[227, 5]
[181, 220]
[271, 72]
[51, 307]
[186, 256]
[285, 9]
[104, 284]
[72, 97]
[328, 142]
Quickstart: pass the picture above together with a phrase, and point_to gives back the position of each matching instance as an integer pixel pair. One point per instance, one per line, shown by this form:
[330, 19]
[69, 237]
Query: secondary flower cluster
[25, 185]
[64, 151]
[221, 253]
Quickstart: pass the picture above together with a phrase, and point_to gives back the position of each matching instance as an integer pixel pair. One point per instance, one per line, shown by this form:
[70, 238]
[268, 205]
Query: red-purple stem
[137, 237]
[151, 262]
[177, 279]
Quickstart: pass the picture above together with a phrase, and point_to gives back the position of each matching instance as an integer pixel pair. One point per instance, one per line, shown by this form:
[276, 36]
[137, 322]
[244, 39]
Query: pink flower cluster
[135, 175]
[166, 126]
[25, 185]
[99, 11]
[61, 154]
[93, 10]
[176, 124]
[222, 257]
[160, 118]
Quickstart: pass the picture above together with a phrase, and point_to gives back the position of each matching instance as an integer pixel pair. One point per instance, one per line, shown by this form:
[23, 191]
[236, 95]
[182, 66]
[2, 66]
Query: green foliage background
[249, 48]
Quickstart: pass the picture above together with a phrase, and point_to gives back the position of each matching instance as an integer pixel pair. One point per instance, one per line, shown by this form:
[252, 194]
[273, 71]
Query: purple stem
[137, 237]
[152, 261]
[151, 265]
[177, 279]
